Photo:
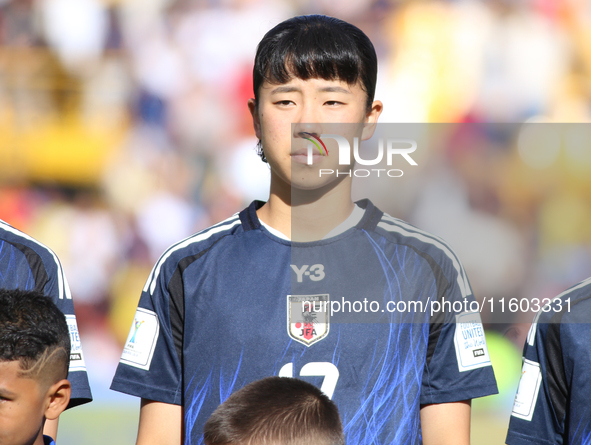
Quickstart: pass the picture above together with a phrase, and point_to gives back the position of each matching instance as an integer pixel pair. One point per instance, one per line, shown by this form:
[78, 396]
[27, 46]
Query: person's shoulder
[566, 306]
[16, 237]
[30, 248]
[431, 248]
[196, 246]
[404, 233]
[569, 308]
[202, 241]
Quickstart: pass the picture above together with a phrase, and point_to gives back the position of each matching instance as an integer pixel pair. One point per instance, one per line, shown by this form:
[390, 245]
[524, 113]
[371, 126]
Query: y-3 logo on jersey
[314, 272]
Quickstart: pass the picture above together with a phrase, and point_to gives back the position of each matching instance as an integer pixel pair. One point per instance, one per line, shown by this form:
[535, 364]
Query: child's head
[275, 411]
[34, 360]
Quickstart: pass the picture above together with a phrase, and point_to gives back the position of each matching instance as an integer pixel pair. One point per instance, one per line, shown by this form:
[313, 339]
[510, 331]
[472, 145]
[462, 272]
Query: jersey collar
[369, 221]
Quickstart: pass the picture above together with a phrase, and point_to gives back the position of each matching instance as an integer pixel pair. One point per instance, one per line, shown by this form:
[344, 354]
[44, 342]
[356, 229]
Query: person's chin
[311, 182]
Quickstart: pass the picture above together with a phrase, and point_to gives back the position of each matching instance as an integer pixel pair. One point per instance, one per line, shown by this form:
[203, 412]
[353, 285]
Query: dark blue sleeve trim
[455, 395]
[514, 438]
[146, 392]
[81, 393]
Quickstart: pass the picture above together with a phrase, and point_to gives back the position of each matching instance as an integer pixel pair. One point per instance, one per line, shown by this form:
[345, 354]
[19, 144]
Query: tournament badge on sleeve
[308, 317]
[141, 341]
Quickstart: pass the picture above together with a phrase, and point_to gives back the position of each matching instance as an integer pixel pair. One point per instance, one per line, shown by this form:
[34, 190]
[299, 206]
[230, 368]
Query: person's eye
[284, 103]
[333, 103]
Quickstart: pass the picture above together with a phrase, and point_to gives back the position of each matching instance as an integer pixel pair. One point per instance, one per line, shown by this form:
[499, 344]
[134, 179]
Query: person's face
[22, 406]
[308, 104]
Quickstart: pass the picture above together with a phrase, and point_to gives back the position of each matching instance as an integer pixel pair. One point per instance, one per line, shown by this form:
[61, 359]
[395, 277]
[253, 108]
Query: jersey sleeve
[29, 265]
[58, 290]
[539, 406]
[458, 365]
[150, 365]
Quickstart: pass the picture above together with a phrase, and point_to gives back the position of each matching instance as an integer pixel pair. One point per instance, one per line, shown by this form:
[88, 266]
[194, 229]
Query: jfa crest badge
[308, 317]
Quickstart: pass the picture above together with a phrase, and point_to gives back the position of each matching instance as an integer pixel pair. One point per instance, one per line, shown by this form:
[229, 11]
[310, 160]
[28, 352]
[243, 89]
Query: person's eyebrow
[334, 90]
[6, 393]
[285, 89]
[294, 89]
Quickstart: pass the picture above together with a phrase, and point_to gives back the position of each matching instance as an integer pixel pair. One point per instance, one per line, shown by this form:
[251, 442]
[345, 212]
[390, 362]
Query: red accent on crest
[308, 330]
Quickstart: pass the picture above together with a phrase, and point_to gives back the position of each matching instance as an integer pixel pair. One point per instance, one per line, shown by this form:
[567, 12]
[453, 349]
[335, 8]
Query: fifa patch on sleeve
[527, 392]
[76, 357]
[470, 342]
[141, 341]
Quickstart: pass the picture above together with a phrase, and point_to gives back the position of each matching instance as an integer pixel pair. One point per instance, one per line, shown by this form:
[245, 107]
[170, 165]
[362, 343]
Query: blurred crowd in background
[124, 128]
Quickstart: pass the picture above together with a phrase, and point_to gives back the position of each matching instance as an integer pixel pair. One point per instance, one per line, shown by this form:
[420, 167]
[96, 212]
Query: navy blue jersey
[29, 265]
[553, 401]
[235, 303]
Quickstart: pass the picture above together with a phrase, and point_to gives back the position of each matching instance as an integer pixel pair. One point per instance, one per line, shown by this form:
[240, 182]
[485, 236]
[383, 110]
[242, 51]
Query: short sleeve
[458, 365]
[58, 290]
[539, 409]
[150, 365]
[29, 265]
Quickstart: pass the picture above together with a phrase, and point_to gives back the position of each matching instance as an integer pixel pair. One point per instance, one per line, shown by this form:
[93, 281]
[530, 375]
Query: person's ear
[371, 120]
[256, 122]
[57, 397]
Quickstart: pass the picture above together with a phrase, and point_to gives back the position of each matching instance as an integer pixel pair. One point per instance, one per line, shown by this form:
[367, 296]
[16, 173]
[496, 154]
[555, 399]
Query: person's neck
[39, 440]
[307, 215]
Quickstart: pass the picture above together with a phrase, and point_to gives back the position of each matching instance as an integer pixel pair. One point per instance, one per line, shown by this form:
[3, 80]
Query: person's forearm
[160, 424]
[446, 423]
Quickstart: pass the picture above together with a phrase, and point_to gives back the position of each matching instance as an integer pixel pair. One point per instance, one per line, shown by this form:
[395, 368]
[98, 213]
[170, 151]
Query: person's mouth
[301, 156]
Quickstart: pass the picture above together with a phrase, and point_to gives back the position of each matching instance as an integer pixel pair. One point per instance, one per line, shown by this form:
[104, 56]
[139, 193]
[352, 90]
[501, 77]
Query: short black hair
[315, 46]
[34, 332]
[275, 410]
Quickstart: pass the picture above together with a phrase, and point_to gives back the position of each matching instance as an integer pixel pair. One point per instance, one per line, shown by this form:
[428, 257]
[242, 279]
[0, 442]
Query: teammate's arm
[446, 423]
[160, 424]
